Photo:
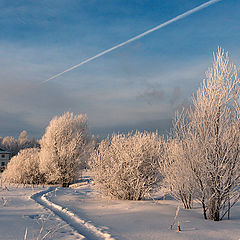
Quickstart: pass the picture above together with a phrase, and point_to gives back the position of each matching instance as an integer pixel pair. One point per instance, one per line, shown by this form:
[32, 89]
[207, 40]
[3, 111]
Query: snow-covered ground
[95, 218]
[18, 212]
[150, 220]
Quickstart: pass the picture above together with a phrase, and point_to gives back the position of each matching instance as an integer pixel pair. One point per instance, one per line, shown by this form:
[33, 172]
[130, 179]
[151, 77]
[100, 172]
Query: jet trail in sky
[183, 15]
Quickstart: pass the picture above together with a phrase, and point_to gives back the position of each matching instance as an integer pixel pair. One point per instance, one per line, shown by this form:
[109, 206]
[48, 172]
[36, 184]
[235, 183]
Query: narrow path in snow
[85, 229]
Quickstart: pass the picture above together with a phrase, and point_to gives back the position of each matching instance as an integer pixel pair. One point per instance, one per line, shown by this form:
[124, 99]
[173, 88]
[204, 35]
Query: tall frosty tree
[210, 139]
[64, 148]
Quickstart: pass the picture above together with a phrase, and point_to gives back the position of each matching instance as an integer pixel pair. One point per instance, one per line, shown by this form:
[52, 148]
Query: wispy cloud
[152, 96]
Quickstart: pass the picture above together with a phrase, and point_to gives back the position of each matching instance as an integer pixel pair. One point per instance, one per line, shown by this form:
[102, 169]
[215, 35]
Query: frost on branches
[210, 137]
[126, 166]
[65, 148]
[24, 168]
[177, 179]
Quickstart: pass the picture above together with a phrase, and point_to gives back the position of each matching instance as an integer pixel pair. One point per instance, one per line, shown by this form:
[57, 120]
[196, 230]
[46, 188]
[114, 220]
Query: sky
[137, 86]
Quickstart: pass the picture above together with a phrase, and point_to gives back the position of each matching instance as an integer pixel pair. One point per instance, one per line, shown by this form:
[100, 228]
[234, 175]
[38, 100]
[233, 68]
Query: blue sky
[136, 86]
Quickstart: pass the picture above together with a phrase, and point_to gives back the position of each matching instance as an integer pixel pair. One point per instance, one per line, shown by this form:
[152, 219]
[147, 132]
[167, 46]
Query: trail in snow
[86, 230]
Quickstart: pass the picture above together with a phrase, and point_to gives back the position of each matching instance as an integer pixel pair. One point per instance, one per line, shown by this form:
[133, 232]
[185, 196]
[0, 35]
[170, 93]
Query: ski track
[86, 230]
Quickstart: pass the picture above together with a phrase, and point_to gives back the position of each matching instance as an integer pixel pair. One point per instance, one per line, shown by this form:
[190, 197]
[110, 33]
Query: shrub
[24, 168]
[126, 166]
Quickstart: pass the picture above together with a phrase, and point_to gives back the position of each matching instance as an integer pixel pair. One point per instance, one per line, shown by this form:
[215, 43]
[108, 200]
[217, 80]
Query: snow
[88, 230]
[82, 214]
[18, 212]
[135, 220]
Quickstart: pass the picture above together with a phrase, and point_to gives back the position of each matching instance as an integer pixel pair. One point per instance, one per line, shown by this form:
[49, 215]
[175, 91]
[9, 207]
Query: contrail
[183, 15]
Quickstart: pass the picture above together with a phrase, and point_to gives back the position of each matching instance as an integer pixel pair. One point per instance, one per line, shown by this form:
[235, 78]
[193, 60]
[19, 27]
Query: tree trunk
[214, 210]
[204, 209]
[65, 184]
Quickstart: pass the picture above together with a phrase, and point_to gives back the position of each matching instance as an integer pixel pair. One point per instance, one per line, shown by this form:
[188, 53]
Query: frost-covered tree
[210, 135]
[24, 168]
[126, 166]
[10, 144]
[25, 142]
[176, 172]
[64, 148]
[23, 136]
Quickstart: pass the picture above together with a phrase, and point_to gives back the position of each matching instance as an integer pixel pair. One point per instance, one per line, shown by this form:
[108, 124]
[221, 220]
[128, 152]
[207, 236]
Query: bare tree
[126, 166]
[210, 136]
[64, 148]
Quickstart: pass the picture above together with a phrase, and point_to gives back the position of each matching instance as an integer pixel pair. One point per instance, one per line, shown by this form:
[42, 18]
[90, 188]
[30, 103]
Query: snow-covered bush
[24, 168]
[126, 166]
[210, 135]
[64, 148]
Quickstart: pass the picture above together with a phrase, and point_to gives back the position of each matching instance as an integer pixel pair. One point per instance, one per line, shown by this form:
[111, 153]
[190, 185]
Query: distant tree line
[14, 145]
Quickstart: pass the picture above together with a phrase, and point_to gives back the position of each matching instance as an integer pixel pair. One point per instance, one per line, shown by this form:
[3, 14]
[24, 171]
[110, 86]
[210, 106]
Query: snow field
[145, 220]
[78, 213]
[18, 212]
